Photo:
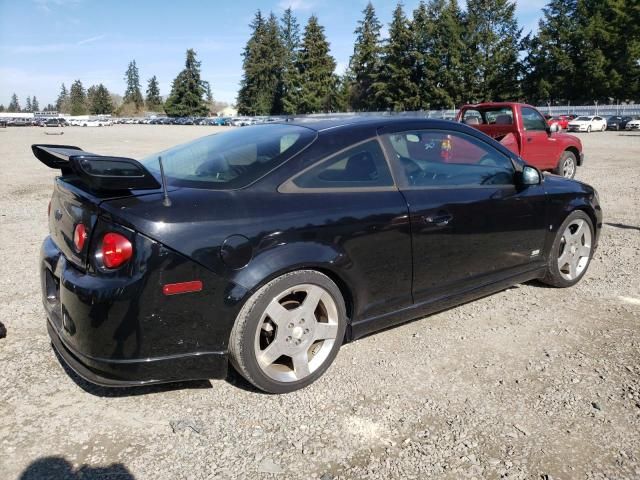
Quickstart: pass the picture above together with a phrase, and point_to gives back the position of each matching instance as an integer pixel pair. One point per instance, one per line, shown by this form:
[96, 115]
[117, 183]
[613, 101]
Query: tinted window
[532, 120]
[433, 158]
[232, 159]
[362, 166]
[472, 117]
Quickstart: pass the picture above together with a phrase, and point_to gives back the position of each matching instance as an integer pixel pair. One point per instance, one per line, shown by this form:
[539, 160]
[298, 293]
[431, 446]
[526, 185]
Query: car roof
[320, 124]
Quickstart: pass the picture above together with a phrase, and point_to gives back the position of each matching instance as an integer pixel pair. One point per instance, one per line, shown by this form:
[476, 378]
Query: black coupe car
[268, 247]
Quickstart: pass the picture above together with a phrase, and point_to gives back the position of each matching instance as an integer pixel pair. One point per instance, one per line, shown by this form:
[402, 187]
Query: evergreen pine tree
[629, 58]
[248, 92]
[132, 94]
[262, 65]
[493, 39]
[365, 63]
[50, 108]
[35, 106]
[91, 93]
[62, 103]
[605, 53]
[549, 65]
[395, 88]
[187, 90]
[100, 100]
[77, 99]
[1, 108]
[27, 105]
[153, 101]
[208, 96]
[437, 32]
[318, 82]
[14, 105]
[289, 85]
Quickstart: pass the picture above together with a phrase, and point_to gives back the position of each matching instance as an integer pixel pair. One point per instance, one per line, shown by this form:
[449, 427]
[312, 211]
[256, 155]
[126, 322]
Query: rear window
[232, 159]
[489, 116]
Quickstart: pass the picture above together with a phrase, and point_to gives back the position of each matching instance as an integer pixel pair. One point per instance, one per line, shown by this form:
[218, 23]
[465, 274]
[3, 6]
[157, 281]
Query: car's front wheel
[567, 165]
[289, 331]
[589, 129]
[571, 251]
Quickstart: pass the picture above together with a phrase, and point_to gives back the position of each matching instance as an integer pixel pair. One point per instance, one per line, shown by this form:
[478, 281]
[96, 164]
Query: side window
[436, 158]
[532, 120]
[363, 166]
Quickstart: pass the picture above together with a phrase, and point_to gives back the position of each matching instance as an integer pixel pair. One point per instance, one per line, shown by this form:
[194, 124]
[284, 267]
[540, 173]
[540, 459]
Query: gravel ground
[532, 382]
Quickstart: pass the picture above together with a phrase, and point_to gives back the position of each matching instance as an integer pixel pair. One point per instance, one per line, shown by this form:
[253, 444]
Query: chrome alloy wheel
[569, 167]
[575, 249]
[296, 333]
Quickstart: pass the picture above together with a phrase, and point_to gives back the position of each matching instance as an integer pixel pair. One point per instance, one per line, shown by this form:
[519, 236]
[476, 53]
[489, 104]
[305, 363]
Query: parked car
[364, 223]
[561, 120]
[617, 122]
[19, 122]
[523, 130]
[92, 122]
[241, 122]
[55, 122]
[587, 124]
[220, 121]
[633, 124]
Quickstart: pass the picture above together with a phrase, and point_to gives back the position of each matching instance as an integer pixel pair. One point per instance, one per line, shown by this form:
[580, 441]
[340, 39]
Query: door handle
[439, 220]
[529, 139]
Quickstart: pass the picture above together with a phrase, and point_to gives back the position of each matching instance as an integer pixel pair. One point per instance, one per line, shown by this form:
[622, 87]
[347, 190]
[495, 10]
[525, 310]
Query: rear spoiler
[97, 171]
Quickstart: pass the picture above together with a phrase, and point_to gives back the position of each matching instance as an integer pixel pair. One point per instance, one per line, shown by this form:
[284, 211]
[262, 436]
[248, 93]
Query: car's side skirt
[367, 326]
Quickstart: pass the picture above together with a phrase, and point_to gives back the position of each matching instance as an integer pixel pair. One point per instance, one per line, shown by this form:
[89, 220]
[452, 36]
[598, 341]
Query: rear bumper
[113, 373]
[79, 313]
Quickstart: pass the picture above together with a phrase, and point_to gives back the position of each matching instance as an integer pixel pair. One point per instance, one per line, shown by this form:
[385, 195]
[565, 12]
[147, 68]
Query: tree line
[443, 56]
[190, 95]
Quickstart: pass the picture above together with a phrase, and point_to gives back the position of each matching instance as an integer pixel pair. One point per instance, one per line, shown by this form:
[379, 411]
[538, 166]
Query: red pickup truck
[523, 129]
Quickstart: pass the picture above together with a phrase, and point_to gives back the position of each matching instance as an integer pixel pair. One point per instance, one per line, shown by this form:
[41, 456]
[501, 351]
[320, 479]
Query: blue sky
[46, 42]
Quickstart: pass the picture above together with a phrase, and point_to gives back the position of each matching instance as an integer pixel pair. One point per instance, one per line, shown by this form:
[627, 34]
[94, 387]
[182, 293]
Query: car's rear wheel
[289, 331]
[571, 251]
[567, 165]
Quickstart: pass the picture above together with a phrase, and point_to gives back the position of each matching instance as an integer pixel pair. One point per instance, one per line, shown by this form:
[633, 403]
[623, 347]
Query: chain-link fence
[450, 114]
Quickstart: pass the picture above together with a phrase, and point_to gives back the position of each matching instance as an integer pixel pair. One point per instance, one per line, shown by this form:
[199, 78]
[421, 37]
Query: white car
[633, 124]
[241, 122]
[92, 122]
[587, 124]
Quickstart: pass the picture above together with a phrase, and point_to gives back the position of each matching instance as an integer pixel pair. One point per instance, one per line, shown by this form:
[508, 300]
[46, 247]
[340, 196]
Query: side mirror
[553, 128]
[530, 176]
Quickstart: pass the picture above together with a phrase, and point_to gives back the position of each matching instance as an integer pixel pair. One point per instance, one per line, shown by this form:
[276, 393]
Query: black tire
[589, 129]
[243, 335]
[553, 276]
[567, 165]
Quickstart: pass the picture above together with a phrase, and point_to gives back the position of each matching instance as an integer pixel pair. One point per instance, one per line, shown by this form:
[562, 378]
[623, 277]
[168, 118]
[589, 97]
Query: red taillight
[116, 250]
[79, 236]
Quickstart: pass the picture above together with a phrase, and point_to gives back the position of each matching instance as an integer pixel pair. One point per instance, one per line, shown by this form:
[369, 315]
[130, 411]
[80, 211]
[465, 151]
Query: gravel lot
[532, 382]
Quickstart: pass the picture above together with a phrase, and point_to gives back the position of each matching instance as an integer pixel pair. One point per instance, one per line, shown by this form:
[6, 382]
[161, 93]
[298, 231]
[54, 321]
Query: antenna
[166, 201]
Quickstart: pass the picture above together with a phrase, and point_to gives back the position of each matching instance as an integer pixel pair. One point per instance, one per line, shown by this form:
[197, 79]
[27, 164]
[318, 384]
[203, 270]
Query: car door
[363, 214]
[600, 122]
[471, 224]
[538, 146]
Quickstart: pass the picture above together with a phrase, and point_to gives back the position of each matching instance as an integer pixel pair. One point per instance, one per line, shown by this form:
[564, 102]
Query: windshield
[232, 159]
[583, 119]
